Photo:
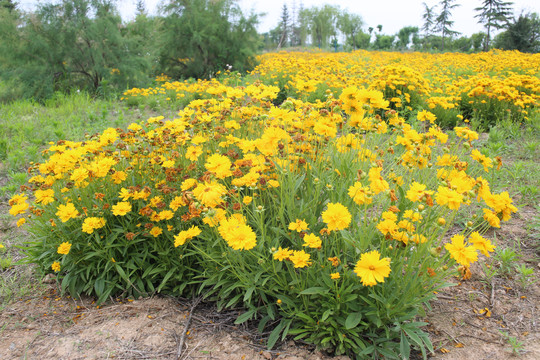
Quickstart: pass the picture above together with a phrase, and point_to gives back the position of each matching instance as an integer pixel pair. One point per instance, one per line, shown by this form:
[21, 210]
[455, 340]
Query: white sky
[391, 14]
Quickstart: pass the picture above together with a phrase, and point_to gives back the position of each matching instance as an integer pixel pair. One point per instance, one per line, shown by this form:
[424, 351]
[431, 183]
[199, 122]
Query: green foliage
[522, 34]
[443, 22]
[322, 23]
[493, 14]
[506, 258]
[200, 38]
[351, 26]
[75, 44]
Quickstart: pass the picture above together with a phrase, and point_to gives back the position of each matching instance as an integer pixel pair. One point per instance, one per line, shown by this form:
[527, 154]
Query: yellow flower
[165, 215]
[312, 241]
[219, 165]
[448, 197]
[360, 194]
[481, 244]
[188, 184]
[282, 254]
[492, 218]
[193, 153]
[176, 203]
[66, 212]
[20, 222]
[209, 193]
[55, 266]
[300, 259]
[372, 269]
[334, 276]
[336, 216]
[237, 234]
[119, 176]
[247, 200]
[121, 208]
[64, 248]
[92, 223]
[298, 225]
[156, 231]
[417, 191]
[377, 182]
[464, 255]
[44, 196]
[426, 115]
[185, 235]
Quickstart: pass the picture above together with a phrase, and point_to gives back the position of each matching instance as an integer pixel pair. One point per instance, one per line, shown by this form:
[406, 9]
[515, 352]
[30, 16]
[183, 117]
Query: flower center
[371, 267]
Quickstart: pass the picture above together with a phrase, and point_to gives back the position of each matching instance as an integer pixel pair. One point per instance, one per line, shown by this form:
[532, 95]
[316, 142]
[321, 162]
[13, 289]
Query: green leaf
[263, 323]
[353, 320]
[249, 292]
[245, 316]
[316, 290]
[326, 314]
[274, 335]
[233, 301]
[404, 346]
[167, 276]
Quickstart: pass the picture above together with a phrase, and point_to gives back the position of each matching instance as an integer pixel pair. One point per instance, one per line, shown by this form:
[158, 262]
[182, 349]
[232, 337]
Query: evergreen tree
[429, 21]
[71, 44]
[443, 22]
[493, 14]
[284, 26]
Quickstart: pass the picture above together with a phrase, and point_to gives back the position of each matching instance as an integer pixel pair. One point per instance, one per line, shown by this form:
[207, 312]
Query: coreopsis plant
[325, 220]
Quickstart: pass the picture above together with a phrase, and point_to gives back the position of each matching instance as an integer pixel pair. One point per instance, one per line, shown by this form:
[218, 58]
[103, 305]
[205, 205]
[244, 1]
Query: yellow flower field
[325, 212]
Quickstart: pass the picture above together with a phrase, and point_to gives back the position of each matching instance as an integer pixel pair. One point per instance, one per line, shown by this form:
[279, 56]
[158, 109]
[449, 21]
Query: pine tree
[443, 22]
[428, 16]
[284, 26]
[493, 14]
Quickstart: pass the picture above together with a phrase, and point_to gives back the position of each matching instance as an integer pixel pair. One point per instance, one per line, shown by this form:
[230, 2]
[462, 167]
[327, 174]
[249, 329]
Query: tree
[404, 36]
[493, 14]
[477, 41]
[201, 37]
[74, 44]
[349, 25]
[141, 8]
[443, 22]
[302, 29]
[284, 26]
[522, 34]
[322, 23]
[8, 4]
[429, 21]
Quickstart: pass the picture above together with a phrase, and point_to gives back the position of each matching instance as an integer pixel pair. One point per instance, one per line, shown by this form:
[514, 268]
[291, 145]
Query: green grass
[26, 128]
[519, 148]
